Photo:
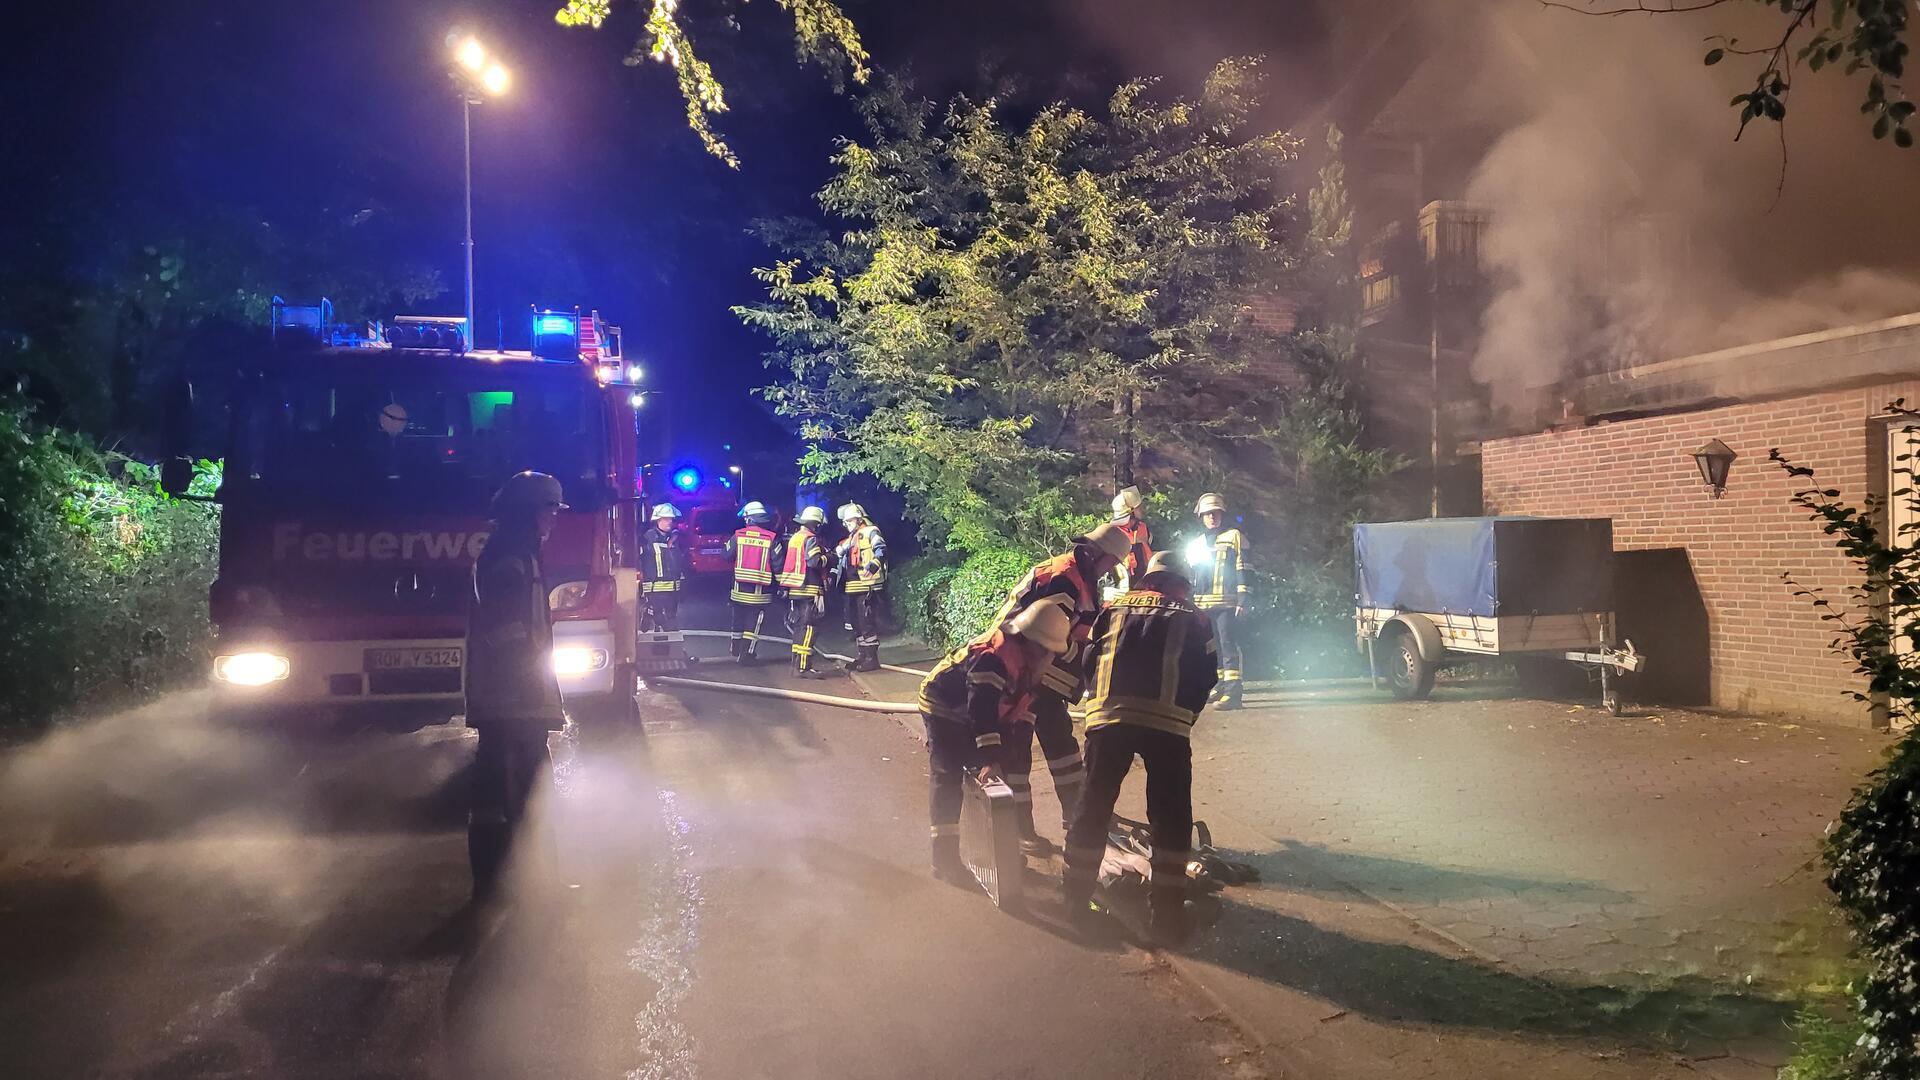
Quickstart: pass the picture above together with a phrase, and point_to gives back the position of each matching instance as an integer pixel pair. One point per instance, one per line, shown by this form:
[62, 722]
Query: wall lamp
[1714, 459]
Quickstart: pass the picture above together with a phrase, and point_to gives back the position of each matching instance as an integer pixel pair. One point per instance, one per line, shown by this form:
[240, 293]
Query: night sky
[588, 187]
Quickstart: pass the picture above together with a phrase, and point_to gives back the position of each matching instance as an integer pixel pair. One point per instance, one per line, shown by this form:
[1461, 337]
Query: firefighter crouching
[753, 556]
[803, 576]
[968, 703]
[863, 577]
[1150, 669]
[663, 570]
[1126, 518]
[1070, 582]
[1220, 589]
[513, 699]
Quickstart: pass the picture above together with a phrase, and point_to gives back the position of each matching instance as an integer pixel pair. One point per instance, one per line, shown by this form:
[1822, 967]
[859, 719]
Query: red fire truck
[357, 479]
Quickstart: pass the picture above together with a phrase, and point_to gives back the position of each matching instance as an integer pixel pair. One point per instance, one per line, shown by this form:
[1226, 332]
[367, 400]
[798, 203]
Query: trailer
[1444, 591]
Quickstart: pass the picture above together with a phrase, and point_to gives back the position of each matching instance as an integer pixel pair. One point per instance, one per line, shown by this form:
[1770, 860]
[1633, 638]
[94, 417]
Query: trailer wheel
[1408, 673]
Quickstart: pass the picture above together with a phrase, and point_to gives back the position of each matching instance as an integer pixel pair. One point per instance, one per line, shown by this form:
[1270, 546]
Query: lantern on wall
[1714, 459]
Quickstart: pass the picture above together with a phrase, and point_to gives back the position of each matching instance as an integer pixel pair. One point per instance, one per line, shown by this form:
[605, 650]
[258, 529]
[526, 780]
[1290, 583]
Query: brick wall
[1767, 647]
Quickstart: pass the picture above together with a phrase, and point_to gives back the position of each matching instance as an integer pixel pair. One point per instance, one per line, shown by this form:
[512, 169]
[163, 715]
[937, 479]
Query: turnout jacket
[1150, 663]
[509, 659]
[1061, 580]
[755, 553]
[803, 568]
[1221, 581]
[663, 566]
[984, 686]
[1139, 549]
[863, 560]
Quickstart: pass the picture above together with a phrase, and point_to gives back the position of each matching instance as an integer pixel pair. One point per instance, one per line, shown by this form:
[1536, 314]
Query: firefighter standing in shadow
[1150, 670]
[663, 568]
[513, 698]
[803, 577]
[862, 558]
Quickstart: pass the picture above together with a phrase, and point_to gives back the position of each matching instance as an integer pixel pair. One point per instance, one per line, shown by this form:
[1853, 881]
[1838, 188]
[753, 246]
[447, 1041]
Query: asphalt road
[737, 891]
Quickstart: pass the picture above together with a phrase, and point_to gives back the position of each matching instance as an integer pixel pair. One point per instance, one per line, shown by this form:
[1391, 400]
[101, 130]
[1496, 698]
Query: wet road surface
[736, 889]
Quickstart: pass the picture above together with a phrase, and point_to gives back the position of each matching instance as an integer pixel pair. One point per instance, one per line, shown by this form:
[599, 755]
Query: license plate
[410, 659]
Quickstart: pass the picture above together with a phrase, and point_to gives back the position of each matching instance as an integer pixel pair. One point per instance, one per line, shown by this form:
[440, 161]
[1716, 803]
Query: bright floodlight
[471, 54]
[636, 400]
[496, 79]
[1198, 551]
[733, 468]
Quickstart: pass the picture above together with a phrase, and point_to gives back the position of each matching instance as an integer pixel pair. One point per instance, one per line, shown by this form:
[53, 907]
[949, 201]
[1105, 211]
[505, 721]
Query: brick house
[1699, 577]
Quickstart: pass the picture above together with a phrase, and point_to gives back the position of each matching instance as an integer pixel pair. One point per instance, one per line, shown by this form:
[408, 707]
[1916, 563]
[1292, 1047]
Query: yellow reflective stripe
[991, 738]
[660, 586]
[987, 678]
[739, 597]
[803, 591]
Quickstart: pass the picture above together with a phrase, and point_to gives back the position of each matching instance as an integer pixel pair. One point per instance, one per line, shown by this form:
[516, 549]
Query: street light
[477, 75]
[736, 470]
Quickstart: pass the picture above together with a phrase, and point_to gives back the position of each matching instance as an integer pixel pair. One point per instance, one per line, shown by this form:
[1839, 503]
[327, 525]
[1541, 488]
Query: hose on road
[861, 704]
[789, 643]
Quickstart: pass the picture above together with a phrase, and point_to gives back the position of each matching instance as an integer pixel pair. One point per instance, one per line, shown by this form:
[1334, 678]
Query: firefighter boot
[1229, 696]
[869, 659]
[948, 866]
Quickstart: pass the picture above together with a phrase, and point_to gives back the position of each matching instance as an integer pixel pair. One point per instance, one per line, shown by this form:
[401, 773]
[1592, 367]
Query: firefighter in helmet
[752, 549]
[1126, 518]
[862, 558]
[968, 704]
[663, 571]
[1150, 669]
[1070, 582]
[803, 577]
[513, 699]
[1219, 568]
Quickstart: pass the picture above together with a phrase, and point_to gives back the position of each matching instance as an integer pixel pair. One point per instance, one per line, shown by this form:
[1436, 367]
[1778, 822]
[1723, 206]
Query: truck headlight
[251, 668]
[570, 660]
[568, 597]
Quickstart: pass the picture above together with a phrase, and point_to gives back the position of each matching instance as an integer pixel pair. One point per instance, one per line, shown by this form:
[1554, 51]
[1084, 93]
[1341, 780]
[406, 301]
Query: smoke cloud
[1627, 224]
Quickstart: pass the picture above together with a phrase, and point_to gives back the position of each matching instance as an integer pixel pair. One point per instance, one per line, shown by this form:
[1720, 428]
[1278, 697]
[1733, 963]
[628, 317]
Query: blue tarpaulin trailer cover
[1486, 565]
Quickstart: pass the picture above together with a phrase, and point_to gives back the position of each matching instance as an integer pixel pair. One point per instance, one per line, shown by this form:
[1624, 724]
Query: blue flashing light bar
[556, 334]
[686, 479]
[556, 324]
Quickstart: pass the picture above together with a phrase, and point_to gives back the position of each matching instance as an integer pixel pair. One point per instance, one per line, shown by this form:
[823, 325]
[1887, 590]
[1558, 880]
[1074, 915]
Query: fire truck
[358, 474]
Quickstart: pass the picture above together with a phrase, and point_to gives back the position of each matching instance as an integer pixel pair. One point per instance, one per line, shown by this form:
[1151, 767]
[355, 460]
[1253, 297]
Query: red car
[708, 529]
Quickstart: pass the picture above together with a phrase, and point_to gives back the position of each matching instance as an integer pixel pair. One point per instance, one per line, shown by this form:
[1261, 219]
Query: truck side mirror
[176, 476]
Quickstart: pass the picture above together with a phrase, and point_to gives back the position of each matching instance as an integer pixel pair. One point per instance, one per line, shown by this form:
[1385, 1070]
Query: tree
[1854, 35]
[1003, 318]
[822, 34]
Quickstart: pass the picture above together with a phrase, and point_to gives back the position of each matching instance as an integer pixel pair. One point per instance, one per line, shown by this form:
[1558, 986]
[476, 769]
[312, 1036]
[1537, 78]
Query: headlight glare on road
[572, 660]
[251, 668]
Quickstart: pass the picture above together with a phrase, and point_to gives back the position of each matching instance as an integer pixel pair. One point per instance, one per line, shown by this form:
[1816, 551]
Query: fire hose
[861, 704]
[789, 643]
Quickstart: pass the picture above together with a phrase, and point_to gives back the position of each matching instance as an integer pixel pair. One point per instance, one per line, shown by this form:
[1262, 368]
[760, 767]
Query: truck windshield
[414, 445]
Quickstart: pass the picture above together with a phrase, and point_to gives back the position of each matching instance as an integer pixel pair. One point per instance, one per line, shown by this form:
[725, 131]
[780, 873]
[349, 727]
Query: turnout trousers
[662, 611]
[802, 614]
[1053, 727]
[509, 763]
[749, 619]
[1226, 636]
[863, 608]
[1110, 751]
[950, 750]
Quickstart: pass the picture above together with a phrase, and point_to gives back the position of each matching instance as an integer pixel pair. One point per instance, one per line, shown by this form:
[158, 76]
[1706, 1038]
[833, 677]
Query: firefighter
[752, 548]
[862, 558]
[1070, 582]
[513, 699]
[1150, 670]
[968, 703]
[663, 571]
[803, 575]
[1220, 589]
[1126, 518]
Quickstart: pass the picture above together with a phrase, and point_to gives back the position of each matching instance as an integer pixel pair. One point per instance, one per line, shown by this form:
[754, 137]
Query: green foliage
[1873, 852]
[948, 604]
[822, 34]
[1009, 319]
[1825, 1048]
[1854, 35]
[103, 577]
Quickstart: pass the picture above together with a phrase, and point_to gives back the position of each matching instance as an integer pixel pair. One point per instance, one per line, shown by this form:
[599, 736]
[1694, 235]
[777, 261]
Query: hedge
[102, 576]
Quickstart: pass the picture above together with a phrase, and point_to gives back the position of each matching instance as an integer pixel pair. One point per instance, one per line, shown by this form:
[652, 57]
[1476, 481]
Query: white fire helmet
[1109, 539]
[1209, 502]
[852, 512]
[755, 509]
[812, 515]
[1162, 563]
[1045, 624]
[663, 510]
[1125, 503]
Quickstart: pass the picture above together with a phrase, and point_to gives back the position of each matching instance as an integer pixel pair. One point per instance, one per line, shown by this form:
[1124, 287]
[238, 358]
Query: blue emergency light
[556, 334]
[687, 479]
